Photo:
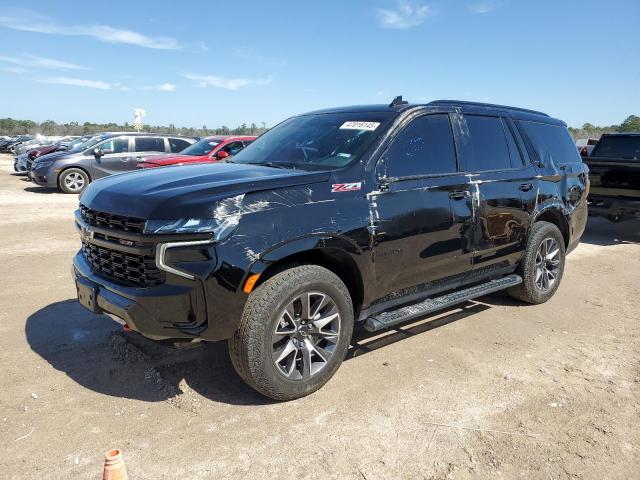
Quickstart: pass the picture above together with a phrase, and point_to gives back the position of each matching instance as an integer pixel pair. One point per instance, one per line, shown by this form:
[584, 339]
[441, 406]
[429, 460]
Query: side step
[417, 310]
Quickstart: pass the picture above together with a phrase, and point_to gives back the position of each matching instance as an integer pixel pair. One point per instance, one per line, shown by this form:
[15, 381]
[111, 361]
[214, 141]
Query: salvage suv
[375, 215]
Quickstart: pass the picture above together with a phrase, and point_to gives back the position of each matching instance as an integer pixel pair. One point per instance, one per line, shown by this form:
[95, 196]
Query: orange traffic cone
[114, 467]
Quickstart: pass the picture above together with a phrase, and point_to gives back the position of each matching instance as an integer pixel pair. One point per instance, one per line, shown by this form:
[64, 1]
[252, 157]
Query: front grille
[127, 268]
[108, 220]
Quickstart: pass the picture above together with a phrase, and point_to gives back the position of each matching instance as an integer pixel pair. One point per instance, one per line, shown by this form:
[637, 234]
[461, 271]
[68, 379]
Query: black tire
[252, 348]
[73, 180]
[530, 290]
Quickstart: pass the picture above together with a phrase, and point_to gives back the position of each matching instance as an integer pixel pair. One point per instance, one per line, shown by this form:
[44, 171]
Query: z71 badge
[346, 187]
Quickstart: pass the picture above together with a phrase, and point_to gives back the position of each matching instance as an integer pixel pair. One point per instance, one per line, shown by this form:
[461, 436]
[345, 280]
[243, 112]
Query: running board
[393, 317]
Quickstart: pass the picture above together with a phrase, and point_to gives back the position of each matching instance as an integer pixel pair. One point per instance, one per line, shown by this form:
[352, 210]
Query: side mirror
[98, 152]
[221, 154]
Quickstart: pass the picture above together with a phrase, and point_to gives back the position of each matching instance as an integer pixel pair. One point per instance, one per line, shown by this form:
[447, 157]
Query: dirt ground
[493, 389]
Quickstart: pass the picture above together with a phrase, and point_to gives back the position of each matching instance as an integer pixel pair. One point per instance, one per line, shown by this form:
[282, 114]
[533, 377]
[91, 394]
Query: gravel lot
[494, 389]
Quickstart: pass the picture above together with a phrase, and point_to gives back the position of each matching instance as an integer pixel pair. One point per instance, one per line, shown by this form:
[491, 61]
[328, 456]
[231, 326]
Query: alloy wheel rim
[547, 264]
[74, 181]
[306, 335]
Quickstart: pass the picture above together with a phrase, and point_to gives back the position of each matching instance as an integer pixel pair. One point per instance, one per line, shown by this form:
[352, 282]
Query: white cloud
[79, 82]
[405, 15]
[163, 87]
[481, 7]
[28, 60]
[227, 83]
[29, 21]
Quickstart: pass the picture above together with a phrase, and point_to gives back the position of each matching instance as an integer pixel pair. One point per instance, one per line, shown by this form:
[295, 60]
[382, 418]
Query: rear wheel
[73, 180]
[542, 266]
[294, 332]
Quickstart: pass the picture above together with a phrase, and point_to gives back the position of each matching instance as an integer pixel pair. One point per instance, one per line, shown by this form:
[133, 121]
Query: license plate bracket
[88, 295]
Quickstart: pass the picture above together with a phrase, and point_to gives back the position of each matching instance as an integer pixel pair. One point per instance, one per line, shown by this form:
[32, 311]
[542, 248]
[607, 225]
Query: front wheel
[73, 180]
[294, 332]
[542, 265]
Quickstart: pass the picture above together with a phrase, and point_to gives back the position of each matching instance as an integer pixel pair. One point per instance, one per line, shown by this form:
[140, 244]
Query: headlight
[42, 163]
[220, 230]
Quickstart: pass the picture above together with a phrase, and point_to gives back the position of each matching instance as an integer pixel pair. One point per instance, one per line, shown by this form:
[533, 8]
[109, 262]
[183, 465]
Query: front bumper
[196, 297]
[155, 312]
[43, 175]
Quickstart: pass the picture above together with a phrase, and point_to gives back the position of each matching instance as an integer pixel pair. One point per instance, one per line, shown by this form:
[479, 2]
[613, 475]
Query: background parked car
[106, 154]
[8, 145]
[585, 145]
[209, 149]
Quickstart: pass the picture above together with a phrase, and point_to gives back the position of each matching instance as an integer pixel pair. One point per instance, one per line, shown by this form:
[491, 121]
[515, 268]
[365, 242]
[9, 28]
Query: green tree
[631, 124]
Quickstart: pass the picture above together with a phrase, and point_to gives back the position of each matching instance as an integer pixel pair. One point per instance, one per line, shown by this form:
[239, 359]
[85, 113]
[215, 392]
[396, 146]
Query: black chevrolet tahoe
[371, 214]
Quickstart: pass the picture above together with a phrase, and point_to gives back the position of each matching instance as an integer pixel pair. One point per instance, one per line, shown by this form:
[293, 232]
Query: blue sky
[195, 63]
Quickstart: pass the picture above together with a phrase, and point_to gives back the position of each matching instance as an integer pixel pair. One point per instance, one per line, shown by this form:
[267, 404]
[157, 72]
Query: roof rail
[480, 104]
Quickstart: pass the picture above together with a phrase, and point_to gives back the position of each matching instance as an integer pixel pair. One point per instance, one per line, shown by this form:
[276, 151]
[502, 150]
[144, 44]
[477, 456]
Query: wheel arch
[333, 259]
[555, 215]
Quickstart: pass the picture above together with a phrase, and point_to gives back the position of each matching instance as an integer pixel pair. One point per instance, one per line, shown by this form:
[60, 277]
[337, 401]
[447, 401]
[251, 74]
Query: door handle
[458, 195]
[525, 187]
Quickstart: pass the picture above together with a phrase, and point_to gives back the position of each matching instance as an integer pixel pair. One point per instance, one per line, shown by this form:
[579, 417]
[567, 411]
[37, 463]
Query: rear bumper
[613, 207]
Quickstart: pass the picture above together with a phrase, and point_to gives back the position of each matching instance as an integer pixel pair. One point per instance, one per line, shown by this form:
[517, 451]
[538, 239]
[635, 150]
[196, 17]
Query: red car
[209, 149]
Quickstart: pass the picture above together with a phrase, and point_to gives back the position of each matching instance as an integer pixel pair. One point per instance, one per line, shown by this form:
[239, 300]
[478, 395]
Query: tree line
[630, 124]
[10, 126]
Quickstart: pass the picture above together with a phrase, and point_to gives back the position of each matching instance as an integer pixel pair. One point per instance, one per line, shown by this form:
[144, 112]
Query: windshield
[622, 146]
[89, 143]
[200, 148]
[323, 141]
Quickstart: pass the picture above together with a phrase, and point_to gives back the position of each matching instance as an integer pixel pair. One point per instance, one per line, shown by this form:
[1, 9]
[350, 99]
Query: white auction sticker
[360, 126]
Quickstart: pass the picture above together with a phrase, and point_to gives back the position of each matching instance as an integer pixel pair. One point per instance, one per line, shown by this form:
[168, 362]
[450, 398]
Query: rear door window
[484, 145]
[178, 144]
[424, 147]
[551, 143]
[149, 144]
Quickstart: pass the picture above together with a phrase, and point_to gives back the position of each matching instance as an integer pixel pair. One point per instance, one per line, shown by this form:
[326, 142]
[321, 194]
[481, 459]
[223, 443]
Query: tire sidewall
[66, 172]
[298, 388]
[540, 232]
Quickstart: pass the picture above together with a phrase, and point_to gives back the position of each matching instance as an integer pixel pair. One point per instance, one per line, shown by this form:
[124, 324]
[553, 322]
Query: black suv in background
[105, 154]
[377, 214]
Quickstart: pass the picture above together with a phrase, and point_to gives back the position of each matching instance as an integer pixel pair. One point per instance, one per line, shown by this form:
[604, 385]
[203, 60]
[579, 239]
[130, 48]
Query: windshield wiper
[278, 165]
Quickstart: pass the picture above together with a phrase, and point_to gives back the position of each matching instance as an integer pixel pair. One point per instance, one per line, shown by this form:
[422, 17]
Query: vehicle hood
[188, 191]
[53, 156]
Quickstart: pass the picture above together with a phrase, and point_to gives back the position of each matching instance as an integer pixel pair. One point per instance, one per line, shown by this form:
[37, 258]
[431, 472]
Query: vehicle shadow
[95, 352]
[46, 190]
[601, 231]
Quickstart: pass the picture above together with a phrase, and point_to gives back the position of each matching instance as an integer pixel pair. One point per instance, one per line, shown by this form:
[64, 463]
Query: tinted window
[618, 147]
[551, 143]
[115, 145]
[424, 147]
[485, 145]
[149, 144]
[178, 144]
